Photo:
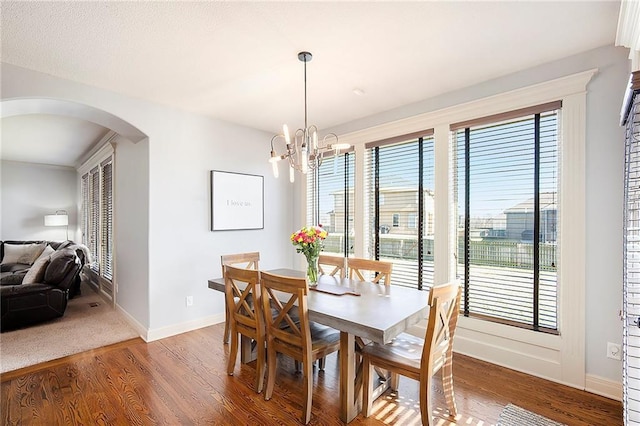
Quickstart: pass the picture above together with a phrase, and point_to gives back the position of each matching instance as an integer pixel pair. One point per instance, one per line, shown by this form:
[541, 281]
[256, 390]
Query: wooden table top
[380, 312]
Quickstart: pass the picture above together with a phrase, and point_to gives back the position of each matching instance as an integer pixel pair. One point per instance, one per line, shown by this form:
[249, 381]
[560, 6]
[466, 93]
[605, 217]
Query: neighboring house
[398, 211]
[520, 219]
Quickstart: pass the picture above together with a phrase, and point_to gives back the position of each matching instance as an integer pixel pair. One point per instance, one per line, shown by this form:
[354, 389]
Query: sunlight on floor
[394, 409]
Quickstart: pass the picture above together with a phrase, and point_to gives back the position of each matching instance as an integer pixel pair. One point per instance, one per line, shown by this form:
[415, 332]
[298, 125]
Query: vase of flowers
[309, 241]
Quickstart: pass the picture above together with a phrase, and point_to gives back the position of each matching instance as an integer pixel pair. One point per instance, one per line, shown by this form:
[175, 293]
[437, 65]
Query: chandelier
[304, 152]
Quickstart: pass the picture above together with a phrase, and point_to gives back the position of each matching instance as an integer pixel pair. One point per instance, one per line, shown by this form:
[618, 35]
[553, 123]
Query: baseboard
[139, 328]
[172, 330]
[604, 387]
[530, 359]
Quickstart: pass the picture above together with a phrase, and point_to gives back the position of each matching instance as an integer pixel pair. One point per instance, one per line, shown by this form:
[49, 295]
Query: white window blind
[106, 238]
[97, 216]
[400, 191]
[631, 279]
[85, 188]
[330, 202]
[94, 215]
[506, 190]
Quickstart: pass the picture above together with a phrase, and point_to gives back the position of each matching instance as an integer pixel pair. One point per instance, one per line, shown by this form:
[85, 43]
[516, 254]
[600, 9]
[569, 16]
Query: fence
[511, 254]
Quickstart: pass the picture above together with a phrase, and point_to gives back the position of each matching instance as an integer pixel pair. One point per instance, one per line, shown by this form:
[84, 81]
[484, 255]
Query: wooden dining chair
[303, 341]
[381, 270]
[242, 294]
[420, 359]
[331, 265]
[246, 261]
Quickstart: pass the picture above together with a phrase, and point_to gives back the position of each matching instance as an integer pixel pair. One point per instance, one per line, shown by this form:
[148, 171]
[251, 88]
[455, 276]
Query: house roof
[548, 201]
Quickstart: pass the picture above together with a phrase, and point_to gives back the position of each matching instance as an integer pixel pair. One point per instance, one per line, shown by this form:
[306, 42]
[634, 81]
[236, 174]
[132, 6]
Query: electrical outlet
[614, 351]
[189, 300]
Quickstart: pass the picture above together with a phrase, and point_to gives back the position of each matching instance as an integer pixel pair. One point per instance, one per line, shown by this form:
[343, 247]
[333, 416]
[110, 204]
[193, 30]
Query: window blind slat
[402, 138]
[506, 116]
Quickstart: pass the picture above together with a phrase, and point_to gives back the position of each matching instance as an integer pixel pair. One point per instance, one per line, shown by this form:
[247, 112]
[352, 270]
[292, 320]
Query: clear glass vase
[312, 270]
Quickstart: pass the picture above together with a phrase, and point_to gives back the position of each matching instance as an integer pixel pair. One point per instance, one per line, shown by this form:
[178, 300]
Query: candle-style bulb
[285, 131]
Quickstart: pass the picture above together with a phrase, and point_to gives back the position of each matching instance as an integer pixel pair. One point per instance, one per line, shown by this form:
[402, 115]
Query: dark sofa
[54, 278]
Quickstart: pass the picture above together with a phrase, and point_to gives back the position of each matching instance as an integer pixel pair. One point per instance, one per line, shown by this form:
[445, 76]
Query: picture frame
[237, 201]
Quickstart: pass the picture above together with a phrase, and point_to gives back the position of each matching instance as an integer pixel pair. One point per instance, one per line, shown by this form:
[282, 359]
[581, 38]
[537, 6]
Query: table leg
[247, 353]
[348, 402]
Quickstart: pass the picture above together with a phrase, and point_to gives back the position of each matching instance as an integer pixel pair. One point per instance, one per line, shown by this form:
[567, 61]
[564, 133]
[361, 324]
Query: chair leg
[308, 390]
[321, 363]
[425, 402]
[227, 327]
[395, 382]
[260, 365]
[233, 352]
[367, 387]
[271, 371]
[447, 387]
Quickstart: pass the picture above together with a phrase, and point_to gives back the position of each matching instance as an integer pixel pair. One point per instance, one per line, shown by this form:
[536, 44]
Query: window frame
[561, 357]
[395, 220]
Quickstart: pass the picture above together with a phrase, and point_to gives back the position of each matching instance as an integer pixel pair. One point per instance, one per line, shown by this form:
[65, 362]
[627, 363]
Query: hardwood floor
[182, 380]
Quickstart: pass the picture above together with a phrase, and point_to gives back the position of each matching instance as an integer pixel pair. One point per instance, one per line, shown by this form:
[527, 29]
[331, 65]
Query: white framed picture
[237, 201]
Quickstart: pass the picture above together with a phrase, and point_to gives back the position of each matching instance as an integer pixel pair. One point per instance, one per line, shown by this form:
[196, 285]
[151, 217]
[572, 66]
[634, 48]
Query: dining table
[361, 311]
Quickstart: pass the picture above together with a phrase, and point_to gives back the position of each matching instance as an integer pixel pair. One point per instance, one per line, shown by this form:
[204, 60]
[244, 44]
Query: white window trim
[96, 159]
[559, 358]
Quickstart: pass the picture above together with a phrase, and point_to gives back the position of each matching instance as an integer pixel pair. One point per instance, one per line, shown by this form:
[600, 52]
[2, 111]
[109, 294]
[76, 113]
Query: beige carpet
[88, 323]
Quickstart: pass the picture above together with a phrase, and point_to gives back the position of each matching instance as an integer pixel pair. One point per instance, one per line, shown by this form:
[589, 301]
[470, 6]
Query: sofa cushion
[61, 262]
[37, 270]
[11, 278]
[22, 253]
[14, 267]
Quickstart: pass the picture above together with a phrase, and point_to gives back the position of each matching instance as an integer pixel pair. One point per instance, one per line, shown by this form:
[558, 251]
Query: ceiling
[237, 61]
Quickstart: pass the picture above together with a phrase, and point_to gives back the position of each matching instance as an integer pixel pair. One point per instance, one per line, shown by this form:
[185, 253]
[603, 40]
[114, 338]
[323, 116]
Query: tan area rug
[88, 323]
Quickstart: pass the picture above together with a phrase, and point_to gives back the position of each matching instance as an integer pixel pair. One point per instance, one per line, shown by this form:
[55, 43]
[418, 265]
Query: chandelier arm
[272, 139]
[305, 152]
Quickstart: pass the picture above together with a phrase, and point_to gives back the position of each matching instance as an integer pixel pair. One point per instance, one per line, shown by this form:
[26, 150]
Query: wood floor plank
[183, 380]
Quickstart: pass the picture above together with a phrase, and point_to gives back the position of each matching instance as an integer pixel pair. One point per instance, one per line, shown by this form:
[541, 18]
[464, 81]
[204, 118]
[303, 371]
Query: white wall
[131, 230]
[28, 192]
[604, 172]
[184, 252]
[165, 191]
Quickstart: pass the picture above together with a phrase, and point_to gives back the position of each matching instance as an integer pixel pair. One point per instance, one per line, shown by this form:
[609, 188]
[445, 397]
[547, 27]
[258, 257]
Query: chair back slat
[331, 265]
[244, 260]
[381, 270]
[444, 309]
